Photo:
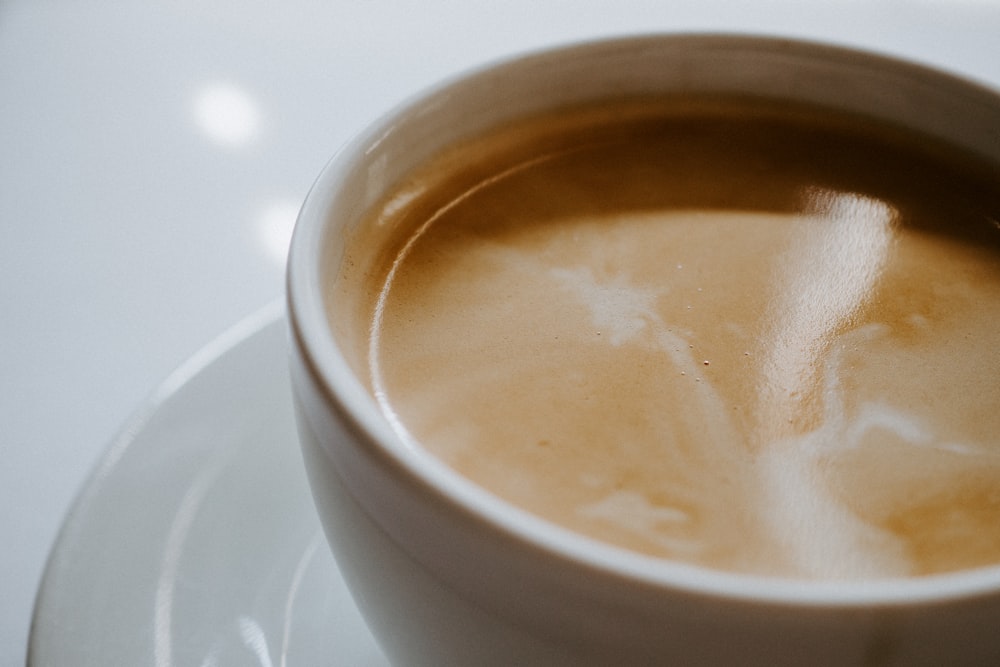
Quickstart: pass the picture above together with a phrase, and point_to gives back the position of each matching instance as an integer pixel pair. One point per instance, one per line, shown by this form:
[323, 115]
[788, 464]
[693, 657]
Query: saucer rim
[52, 602]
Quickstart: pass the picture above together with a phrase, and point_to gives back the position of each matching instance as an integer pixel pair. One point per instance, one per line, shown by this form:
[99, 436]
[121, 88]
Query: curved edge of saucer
[231, 338]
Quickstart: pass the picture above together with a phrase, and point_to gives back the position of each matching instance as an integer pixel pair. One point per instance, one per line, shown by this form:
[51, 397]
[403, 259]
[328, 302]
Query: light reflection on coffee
[749, 338]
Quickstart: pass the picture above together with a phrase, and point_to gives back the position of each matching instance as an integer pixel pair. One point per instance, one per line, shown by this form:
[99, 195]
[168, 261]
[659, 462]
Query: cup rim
[342, 391]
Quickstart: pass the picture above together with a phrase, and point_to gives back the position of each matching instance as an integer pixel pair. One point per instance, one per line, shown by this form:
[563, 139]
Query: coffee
[751, 337]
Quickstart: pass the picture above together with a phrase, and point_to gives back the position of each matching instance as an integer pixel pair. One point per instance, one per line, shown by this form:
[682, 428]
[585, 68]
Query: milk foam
[773, 485]
[773, 389]
[826, 279]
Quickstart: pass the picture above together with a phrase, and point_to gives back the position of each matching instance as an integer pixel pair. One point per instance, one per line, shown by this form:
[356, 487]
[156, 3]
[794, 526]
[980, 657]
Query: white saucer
[195, 541]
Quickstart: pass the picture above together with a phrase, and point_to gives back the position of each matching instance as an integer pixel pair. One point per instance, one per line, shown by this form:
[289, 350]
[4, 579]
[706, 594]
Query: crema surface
[751, 339]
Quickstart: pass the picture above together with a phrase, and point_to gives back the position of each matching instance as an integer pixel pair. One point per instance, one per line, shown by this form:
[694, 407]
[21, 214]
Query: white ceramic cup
[446, 574]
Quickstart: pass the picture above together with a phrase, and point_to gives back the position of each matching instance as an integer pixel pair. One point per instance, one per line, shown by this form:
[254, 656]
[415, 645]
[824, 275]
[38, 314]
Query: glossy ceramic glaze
[195, 542]
[447, 575]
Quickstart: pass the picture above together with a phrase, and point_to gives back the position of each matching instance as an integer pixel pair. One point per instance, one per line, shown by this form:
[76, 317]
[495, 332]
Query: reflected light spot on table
[226, 114]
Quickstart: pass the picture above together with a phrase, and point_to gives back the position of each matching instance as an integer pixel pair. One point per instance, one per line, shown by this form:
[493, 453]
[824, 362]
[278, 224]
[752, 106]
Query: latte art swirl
[749, 339]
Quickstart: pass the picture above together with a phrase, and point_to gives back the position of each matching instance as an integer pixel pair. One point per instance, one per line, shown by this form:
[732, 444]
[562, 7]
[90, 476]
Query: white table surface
[153, 156]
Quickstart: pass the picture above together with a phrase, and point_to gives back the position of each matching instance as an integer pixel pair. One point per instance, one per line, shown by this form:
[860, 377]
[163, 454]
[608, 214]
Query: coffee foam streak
[828, 276]
[819, 536]
[616, 308]
[625, 313]
[634, 512]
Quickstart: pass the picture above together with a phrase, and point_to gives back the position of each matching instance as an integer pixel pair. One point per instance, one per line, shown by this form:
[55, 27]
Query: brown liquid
[754, 340]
